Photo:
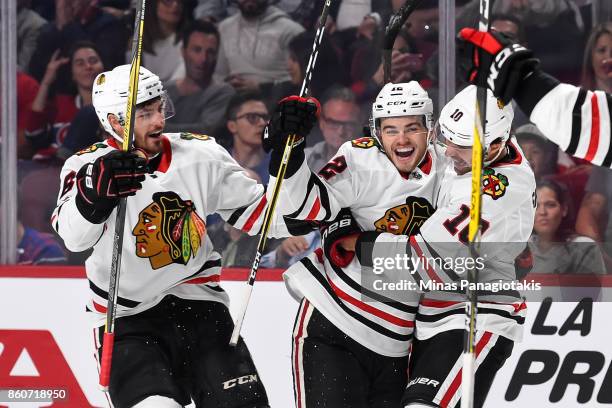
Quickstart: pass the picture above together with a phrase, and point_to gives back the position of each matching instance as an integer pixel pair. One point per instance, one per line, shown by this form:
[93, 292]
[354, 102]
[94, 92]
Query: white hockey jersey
[165, 246]
[363, 179]
[438, 251]
[576, 120]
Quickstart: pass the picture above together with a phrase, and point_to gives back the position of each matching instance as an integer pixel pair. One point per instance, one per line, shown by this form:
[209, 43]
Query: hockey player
[350, 344]
[575, 119]
[173, 324]
[440, 255]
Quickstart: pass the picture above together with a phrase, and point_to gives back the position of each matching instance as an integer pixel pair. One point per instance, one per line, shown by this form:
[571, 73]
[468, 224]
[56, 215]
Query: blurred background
[225, 63]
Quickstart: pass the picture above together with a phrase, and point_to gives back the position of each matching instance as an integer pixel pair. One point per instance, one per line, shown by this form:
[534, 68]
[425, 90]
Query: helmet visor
[148, 110]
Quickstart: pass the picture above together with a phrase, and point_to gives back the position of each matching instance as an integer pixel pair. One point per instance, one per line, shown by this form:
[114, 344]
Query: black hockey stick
[279, 178]
[474, 229]
[396, 22]
[128, 138]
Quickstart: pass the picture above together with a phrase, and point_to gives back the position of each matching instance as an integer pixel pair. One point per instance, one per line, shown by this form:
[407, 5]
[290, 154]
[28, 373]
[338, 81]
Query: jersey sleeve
[306, 196]
[77, 232]
[575, 119]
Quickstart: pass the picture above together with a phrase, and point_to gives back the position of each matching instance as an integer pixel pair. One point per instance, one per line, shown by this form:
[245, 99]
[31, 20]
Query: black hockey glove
[332, 234]
[494, 61]
[293, 115]
[102, 183]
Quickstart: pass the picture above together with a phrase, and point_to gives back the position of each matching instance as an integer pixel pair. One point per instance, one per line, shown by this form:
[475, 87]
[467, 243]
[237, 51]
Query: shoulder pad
[192, 136]
[364, 142]
[94, 147]
[494, 184]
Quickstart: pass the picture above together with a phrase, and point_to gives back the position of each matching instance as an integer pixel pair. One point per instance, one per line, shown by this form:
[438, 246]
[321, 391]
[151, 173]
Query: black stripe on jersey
[372, 325]
[207, 265]
[576, 122]
[372, 295]
[215, 288]
[238, 213]
[607, 162]
[427, 318]
[323, 197]
[120, 301]
[449, 272]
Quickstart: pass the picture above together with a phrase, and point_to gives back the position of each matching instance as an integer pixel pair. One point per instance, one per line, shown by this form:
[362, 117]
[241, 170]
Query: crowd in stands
[225, 63]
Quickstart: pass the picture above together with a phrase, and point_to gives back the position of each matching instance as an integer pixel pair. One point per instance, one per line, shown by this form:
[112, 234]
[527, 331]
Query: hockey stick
[279, 178]
[396, 22]
[128, 137]
[474, 231]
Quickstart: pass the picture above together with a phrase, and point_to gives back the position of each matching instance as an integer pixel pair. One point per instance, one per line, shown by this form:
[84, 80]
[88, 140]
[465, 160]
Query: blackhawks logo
[92, 148]
[168, 230]
[364, 142]
[494, 185]
[405, 219]
[191, 136]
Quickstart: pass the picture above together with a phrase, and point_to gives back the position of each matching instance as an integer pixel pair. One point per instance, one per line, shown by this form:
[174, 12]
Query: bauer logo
[423, 381]
[245, 379]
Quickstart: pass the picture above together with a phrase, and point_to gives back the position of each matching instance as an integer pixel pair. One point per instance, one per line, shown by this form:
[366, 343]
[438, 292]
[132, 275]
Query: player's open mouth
[404, 152]
[156, 135]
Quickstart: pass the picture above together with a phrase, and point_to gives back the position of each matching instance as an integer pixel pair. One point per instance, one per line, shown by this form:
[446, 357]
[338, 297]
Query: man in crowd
[199, 101]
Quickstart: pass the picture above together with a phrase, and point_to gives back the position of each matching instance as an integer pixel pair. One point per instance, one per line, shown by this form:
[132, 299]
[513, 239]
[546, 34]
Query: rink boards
[46, 342]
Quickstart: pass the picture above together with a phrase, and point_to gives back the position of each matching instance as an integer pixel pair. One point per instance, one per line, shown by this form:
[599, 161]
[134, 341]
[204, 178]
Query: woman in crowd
[554, 245]
[597, 66]
[54, 108]
[162, 37]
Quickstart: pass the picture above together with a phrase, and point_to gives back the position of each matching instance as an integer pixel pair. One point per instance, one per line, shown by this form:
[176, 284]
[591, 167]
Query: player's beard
[252, 8]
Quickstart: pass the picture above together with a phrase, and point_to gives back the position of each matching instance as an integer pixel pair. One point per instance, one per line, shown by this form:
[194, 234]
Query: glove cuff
[95, 213]
[295, 161]
[340, 256]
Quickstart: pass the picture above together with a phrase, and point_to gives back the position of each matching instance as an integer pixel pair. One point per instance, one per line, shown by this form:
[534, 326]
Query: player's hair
[588, 72]
[239, 99]
[200, 26]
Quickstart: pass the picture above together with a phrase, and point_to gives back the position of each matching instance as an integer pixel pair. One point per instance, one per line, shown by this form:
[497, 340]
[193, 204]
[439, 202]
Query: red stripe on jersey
[432, 274]
[297, 339]
[594, 142]
[452, 389]
[448, 303]
[255, 215]
[204, 279]
[314, 210]
[370, 309]
[98, 307]
[319, 253]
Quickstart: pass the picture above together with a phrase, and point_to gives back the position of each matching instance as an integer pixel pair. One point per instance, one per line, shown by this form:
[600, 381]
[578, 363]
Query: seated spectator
[27, 89]
[84, 130]
[51, 111]
[29, 24]
[339, 122]
[253, 42]
[161, 42]
[247, 116]
[199, 102]
[38, 248]
[554, 246]
[80, 20]
[540, 153]
[597, 63]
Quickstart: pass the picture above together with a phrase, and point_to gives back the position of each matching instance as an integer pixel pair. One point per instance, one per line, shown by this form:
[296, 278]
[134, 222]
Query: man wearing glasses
[339, 123]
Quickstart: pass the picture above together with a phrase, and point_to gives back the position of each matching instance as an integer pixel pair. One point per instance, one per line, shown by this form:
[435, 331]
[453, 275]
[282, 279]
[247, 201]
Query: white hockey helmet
[110, 93]
[403, 99]
[456, 121]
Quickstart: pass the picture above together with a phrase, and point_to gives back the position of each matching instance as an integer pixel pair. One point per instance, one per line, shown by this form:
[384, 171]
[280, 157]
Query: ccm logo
[245, 379]
[423, 380]
[397, 103]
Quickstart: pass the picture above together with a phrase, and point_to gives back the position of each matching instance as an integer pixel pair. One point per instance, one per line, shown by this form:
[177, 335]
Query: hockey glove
[102, 183]
[293, 115]
[332, 234]
[495, 61]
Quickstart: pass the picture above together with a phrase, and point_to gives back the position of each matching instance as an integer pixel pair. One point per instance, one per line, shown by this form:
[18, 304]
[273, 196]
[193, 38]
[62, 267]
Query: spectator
[211, 10]
[252, 44]
[79, 20]
[339, 122]
[52, 111]
[84, 130]
[597, 63]
[540, 153]
[555, 247]
[247, 116]
[27, 89]
[38, 248]
[199, 102]
[29, 24]
[161, 42]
